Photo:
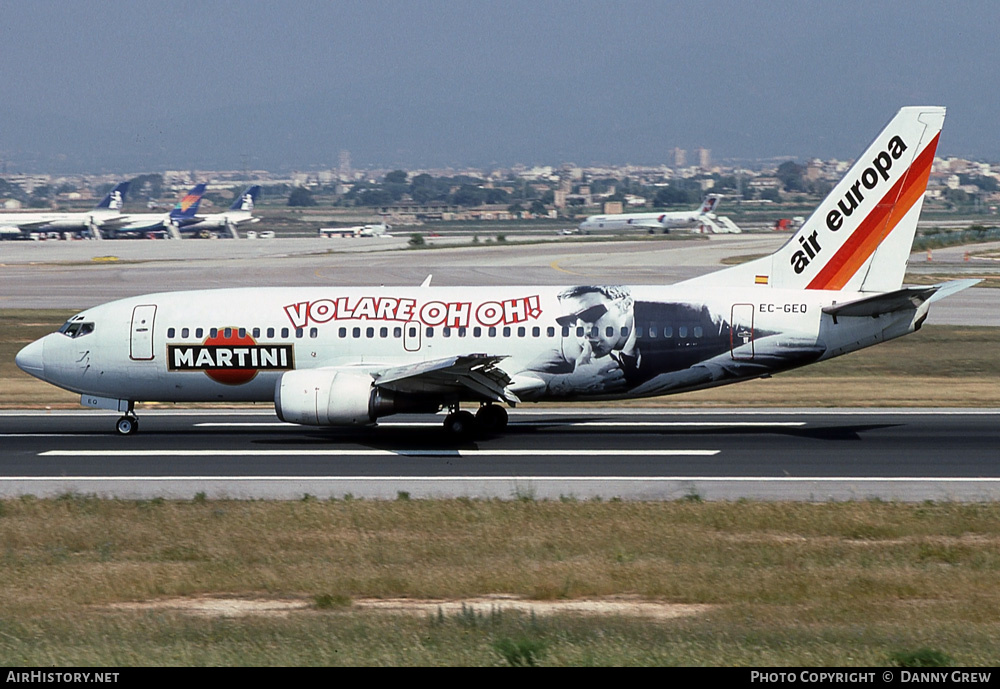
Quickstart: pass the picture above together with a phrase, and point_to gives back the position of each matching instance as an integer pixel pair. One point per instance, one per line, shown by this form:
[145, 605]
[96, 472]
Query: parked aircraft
[183, 214]
[105, 215]
[240, 213]
[704, 216]
[343, 356]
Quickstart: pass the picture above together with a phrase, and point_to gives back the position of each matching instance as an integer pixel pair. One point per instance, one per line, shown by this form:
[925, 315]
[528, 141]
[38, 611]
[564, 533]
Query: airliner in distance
[105, 215]
[239, 213]
[347, 356]
[703, 216]
[182, 214]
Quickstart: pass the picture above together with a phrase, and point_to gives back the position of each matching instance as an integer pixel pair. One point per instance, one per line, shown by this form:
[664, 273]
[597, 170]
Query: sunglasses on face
[588, 315]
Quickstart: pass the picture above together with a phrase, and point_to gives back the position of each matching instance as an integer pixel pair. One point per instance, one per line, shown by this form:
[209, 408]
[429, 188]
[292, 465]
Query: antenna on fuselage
[427, 281]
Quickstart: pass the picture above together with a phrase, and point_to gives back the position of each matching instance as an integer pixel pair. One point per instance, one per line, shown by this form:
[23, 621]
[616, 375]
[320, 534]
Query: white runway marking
[612, 424]
[378, 453]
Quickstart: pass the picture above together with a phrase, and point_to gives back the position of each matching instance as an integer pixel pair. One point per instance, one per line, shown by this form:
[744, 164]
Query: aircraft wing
[114, 222]
[645, 224]
[35, 225]
[900, 300]
[477, 373]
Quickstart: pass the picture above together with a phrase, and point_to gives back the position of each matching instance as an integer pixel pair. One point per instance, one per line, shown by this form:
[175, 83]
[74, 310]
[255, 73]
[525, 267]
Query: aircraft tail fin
[246, 200]
[188, 206]
[860, 236]
[115, 199]
[709, 204]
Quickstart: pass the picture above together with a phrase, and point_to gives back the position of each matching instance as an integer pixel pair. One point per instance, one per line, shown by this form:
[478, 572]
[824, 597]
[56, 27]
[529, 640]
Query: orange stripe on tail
[880, 222]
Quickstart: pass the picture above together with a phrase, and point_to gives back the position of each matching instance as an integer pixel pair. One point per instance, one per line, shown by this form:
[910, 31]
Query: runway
[558, 453]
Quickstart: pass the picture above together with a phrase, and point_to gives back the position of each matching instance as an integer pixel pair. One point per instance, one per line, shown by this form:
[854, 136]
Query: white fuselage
[633, 221]
[235, 344]
[77, 221]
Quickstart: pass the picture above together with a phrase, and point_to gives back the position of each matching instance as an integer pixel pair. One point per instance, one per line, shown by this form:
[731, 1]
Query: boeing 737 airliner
[331, 356]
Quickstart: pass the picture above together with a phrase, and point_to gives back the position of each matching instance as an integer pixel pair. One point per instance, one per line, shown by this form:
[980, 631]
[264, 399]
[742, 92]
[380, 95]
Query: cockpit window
[76, 328]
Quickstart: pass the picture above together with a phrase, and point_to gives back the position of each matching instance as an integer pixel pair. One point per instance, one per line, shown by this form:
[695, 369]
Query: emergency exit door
[741, 332]
[141, 347]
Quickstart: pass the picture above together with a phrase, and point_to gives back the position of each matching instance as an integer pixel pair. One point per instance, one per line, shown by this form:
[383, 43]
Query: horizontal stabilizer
[477, 373]
[900, 300]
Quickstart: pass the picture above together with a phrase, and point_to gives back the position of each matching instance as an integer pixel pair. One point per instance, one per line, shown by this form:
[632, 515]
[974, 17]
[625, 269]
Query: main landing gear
[490, 419]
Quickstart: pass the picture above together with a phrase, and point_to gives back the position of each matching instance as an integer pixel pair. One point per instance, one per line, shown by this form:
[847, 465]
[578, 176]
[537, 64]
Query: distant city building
[704, 158]
[345, 166]
[680, 157]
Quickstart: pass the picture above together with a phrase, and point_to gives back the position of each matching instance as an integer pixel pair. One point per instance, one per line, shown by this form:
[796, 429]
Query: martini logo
[231, 360]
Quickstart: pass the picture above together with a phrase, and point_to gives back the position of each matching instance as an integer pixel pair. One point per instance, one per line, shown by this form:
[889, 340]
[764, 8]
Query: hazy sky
[147, 85]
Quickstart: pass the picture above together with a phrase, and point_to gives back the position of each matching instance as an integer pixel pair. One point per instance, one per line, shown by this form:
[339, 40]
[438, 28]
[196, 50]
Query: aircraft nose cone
[30, 359]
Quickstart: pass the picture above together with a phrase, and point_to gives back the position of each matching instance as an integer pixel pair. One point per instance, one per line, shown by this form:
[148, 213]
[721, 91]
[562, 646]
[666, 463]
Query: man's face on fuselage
[596, 313]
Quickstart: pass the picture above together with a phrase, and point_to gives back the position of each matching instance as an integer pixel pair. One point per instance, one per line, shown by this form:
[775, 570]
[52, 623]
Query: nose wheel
[127, 425]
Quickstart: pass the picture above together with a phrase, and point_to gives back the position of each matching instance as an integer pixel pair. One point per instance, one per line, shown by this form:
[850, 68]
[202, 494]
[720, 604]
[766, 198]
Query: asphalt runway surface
[584, 453]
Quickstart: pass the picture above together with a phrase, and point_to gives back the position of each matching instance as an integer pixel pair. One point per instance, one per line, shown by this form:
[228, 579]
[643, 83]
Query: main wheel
[491, 418]
[127, 425]
[460, 424]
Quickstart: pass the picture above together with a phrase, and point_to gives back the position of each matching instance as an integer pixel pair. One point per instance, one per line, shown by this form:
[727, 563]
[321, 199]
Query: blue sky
[139, 86]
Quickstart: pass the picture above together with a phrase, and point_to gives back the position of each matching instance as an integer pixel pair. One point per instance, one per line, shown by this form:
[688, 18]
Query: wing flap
[477, 373]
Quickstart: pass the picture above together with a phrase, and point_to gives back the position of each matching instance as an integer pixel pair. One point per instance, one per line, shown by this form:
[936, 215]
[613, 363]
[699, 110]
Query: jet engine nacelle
[324, 398]
[319, 397]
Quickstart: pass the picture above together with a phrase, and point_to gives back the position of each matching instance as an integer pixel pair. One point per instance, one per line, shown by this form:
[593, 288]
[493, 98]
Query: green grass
[781, 584]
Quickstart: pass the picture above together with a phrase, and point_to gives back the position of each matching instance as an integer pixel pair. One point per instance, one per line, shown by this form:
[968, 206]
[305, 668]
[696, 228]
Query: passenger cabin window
[170, 333]
[185, 332]
[270, 333]
[284, 333]
[199, 332]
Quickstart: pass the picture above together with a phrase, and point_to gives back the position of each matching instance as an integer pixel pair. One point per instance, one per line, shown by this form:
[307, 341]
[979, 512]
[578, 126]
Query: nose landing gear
[127, 425]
